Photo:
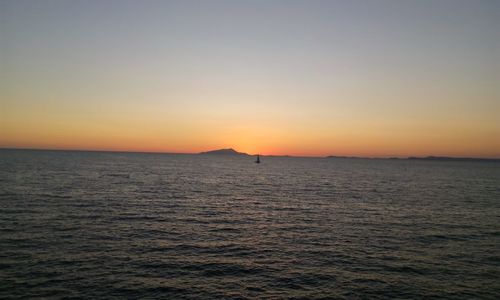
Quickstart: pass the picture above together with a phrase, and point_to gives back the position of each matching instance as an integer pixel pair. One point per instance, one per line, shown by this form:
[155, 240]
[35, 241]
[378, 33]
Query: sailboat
[257, 161]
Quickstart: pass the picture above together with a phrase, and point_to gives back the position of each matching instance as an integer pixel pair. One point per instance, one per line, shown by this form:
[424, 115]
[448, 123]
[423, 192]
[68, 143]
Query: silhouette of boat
[257, 161]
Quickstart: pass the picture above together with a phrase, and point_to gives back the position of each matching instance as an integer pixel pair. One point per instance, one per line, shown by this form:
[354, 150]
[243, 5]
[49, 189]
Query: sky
[358, 78]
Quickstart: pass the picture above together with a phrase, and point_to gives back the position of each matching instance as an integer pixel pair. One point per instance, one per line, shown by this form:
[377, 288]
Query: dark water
[112, 225]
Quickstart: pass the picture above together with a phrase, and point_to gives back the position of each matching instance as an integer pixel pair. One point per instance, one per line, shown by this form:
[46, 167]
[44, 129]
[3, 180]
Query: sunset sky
[364, 78]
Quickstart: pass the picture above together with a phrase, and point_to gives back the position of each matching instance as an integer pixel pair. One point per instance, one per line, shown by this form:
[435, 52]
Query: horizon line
[243, 153]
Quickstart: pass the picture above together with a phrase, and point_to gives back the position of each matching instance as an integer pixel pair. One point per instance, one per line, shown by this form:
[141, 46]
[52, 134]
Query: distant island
[350, 157]
[231, 151]
[446, 158]
[431, 158]
[228, 151]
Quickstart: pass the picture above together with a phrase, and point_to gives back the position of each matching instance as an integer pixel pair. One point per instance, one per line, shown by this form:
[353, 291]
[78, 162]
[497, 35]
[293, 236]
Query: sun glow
[314, 87]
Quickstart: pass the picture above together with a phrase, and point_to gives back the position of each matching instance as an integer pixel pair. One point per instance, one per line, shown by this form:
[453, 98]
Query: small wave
[224, 269]
[406, 270]
[135, 218]
[305, 280]
[119, 175]
[56, 196]
[8, 194]
[495, 259]
[225, 229]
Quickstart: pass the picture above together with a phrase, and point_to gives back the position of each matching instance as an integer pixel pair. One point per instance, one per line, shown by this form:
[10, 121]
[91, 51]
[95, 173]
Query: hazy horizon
[315, 78]
[246, 153]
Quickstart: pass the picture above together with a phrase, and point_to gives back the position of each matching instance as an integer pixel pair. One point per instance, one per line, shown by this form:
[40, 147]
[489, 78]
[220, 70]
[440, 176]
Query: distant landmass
[433, 158]
[231, 151]
[336, 156]
[446, 158]
[228, 151]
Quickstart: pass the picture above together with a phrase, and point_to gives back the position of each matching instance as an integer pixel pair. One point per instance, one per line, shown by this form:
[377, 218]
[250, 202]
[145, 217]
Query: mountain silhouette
[228, 151]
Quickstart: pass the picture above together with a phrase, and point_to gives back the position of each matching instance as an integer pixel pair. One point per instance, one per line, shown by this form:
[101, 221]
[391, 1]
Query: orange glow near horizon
[315, 79]
[251, 140]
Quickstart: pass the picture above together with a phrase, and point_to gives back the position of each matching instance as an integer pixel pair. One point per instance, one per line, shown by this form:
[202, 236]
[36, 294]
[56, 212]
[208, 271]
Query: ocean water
[156, 226]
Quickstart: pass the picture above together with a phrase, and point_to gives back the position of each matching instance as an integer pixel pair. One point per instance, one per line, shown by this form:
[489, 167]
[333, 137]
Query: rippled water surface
[115, 225]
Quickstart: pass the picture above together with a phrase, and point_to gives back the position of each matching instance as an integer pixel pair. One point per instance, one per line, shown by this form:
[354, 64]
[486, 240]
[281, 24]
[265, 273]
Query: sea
[104, 225]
